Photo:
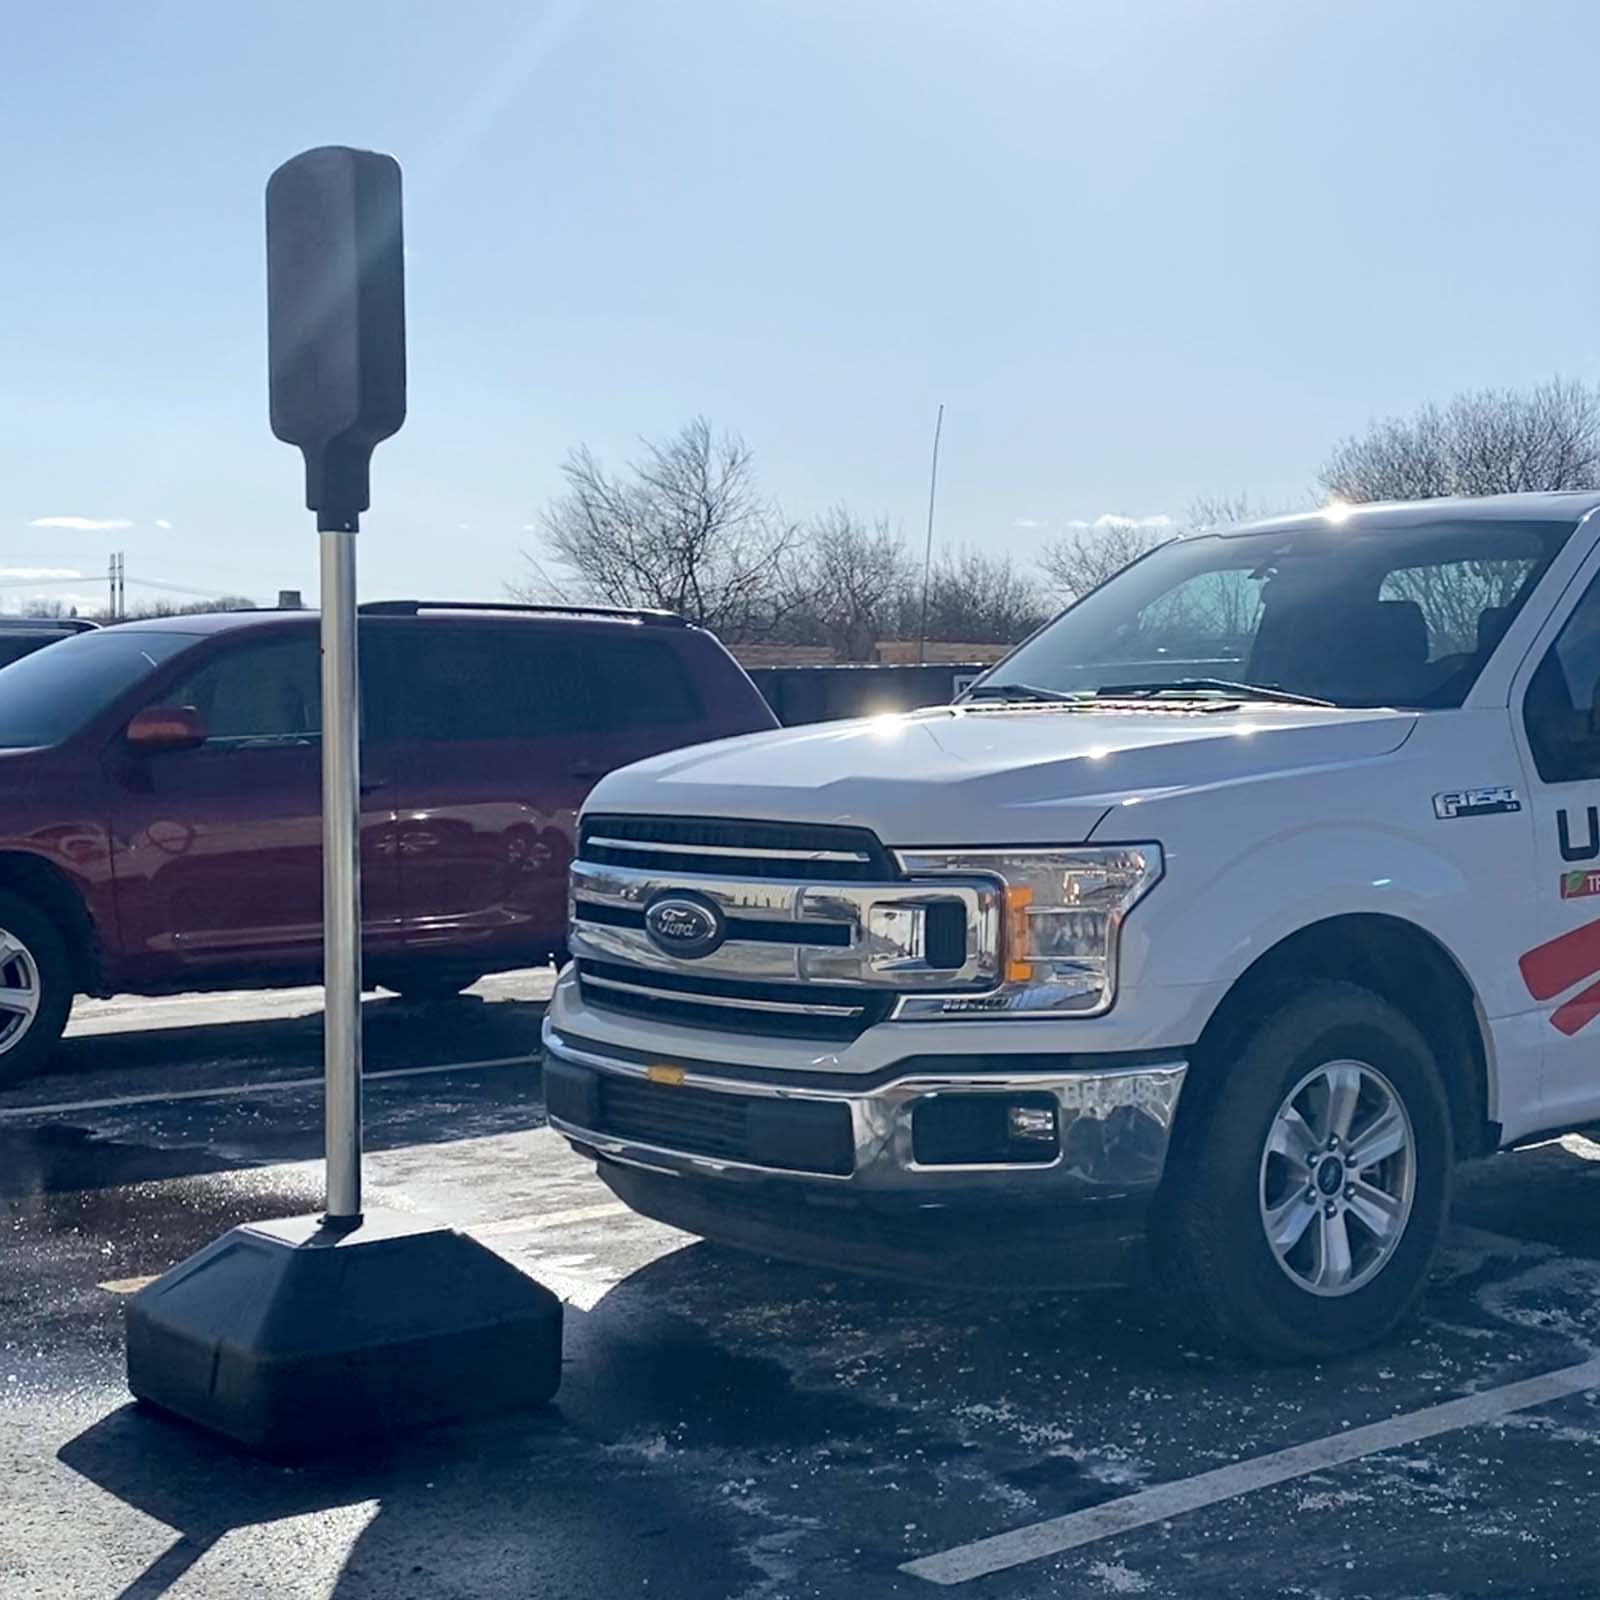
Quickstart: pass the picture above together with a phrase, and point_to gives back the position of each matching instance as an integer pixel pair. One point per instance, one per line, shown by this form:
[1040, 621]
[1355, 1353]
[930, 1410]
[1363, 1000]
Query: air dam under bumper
[918, 1175]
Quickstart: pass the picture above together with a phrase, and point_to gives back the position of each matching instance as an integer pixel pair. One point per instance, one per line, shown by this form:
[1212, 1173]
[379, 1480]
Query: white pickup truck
[1204, 935]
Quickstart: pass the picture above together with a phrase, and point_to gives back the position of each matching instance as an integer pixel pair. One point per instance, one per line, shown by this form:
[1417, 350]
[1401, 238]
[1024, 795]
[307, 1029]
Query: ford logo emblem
[679, 926]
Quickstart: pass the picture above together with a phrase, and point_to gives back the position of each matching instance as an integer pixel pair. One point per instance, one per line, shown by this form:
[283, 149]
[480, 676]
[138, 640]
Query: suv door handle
[372, 785]
[587, 769]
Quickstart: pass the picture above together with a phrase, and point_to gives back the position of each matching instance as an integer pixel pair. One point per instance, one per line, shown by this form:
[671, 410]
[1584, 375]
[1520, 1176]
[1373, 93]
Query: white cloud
[38, 574]
[82, 524]
[1115, 519]
[161, 522]
[1027, 522]
[528, 527]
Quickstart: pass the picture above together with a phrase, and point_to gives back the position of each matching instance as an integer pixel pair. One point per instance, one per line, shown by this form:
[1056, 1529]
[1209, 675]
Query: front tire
[1311, 1175]
[36, 987]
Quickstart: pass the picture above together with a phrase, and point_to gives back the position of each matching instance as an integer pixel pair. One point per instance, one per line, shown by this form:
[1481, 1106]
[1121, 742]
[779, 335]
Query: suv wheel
[36, 987]
[431, 988]
[1313, 1178]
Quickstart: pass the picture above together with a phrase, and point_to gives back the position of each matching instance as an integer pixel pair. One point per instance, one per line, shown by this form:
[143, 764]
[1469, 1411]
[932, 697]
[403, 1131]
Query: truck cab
[1203, 936]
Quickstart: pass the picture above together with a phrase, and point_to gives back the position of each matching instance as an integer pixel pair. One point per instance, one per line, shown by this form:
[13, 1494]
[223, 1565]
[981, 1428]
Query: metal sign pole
[341, 876]
[301, 1336]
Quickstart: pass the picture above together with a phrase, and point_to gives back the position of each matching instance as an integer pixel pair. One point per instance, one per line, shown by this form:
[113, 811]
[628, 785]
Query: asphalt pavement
[731, 1427]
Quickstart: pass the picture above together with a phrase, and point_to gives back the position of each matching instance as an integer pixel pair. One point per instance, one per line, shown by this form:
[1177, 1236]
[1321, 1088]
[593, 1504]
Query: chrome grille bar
[700, 997]
[748, 852]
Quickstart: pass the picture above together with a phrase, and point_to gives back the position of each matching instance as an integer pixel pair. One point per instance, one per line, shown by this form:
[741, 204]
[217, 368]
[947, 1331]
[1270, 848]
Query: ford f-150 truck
[1206, 933]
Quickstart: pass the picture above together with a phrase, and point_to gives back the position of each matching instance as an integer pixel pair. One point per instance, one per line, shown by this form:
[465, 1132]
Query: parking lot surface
[734, 1427]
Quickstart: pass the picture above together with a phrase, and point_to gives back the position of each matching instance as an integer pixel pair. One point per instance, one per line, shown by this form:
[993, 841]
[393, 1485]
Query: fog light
[981, 1130]
[1032, 1123]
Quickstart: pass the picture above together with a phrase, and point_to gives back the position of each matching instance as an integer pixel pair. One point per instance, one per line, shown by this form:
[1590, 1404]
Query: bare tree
[975, 598]
[850, 580]
[183, 608]
[683, 527]
[1483, 441]
[1084, 558]
[1221, 510]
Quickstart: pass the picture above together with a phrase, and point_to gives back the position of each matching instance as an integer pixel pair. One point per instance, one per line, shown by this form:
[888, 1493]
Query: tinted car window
[49, 695]
[525, 682]
[639, 683]
[267, 692]
[490, 683]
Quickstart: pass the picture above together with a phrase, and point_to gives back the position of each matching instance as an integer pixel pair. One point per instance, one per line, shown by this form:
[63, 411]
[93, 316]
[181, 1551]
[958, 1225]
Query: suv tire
[34, 961]
[1311, 1175]
[431, 988]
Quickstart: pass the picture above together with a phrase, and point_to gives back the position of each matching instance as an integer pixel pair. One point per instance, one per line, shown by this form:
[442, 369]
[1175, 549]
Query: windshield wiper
[1245, 691]
[1016, 691]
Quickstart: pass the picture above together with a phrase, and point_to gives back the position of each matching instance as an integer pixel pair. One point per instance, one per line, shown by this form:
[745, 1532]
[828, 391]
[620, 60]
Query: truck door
[1555, 708]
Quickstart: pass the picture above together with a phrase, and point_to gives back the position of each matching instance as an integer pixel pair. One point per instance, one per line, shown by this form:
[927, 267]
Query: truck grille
[816, 932]
[793, 1010]
[736, 849]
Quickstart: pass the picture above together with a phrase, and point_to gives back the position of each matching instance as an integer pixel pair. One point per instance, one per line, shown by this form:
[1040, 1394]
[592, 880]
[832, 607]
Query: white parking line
[19, 1113]
[1077, 1528]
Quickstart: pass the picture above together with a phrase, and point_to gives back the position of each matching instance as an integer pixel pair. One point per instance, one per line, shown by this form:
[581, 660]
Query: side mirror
[167, 728]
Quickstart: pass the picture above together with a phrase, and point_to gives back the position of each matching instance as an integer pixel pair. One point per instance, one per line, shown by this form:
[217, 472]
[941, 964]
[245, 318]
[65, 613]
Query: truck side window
[267, 693]
[1560, 710]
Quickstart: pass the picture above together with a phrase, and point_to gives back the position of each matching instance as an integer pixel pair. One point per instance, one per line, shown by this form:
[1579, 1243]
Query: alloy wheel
[1338, 1175]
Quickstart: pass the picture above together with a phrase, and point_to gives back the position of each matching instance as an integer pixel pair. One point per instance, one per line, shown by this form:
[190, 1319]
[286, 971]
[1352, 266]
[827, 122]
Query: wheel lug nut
[1329, 1209]
[1350, 1192]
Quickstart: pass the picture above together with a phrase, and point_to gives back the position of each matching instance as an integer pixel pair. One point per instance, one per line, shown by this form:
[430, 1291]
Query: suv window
[49, 695]
[524, 682]
[1560, 710]
[259, 693]
[639, 683]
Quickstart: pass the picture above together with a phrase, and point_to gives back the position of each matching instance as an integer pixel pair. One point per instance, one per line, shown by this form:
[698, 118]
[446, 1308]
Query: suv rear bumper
[850, 1175]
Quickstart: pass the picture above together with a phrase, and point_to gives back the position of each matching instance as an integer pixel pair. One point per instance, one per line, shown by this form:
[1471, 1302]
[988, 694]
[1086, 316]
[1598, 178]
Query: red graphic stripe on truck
[1549, 968]
[1578, 1012]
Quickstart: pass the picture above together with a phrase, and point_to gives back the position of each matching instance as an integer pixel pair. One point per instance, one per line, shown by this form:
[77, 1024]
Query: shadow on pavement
[68, 1152]
[681, 1458]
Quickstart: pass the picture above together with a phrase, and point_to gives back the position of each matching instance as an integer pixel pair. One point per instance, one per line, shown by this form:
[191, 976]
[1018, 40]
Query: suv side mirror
[167, 728]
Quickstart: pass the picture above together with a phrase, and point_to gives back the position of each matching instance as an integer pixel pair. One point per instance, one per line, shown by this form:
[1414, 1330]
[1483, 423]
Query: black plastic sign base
[296, 1340]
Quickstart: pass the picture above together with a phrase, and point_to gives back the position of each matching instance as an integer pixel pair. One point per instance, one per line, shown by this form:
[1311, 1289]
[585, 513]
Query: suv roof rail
[410, 608]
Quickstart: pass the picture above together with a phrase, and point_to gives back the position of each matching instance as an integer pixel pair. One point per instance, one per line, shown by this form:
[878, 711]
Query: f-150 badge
[1489, 802]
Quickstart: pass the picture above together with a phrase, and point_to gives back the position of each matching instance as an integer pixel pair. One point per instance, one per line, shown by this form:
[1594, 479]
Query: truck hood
[1014, 775]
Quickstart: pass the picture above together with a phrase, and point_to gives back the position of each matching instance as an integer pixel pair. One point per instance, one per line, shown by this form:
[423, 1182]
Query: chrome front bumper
[1114, 1124]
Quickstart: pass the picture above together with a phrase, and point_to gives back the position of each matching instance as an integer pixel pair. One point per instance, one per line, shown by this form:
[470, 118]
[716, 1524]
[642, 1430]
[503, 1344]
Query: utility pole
[117, 606]
[927, 555]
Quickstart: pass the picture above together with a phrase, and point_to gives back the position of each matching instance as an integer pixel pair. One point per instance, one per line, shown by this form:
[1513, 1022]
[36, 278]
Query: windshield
[1354, 615]
[48, 696]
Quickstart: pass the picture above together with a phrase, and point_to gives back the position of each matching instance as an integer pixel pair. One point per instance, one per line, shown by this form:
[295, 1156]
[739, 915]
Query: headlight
[1058, 943]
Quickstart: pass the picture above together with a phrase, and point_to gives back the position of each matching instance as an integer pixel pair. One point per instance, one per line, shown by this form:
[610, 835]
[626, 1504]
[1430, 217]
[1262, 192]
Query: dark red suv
[160, 799]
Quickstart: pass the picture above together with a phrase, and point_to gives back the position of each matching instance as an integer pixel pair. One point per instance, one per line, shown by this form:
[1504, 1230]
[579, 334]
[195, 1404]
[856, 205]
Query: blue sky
[1140, 251]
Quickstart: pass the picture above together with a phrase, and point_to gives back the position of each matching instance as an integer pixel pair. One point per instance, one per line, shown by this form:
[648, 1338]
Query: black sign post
[312, 1334]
